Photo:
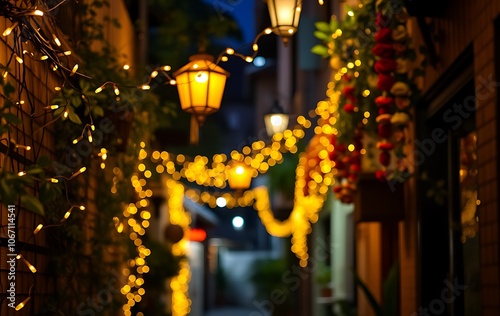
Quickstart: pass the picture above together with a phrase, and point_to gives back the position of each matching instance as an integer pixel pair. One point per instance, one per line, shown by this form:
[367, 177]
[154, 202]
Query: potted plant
[323, 278]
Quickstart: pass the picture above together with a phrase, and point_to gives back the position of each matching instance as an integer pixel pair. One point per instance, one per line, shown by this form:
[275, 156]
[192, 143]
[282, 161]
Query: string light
[9, 30]
[73, 71]
[22, 304]
[29, 265]
[56, 40]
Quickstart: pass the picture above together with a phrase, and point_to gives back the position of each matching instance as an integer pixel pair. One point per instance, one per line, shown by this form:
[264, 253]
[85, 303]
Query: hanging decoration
[369, 49]
[285, 15]
[276, 120]
[200, 84]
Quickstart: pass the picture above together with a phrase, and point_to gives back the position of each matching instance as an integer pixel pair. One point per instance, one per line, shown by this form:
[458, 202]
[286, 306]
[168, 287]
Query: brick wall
[466, 22]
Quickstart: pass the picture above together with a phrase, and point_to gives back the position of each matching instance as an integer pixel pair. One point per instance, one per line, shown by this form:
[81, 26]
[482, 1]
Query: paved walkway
[234, 311]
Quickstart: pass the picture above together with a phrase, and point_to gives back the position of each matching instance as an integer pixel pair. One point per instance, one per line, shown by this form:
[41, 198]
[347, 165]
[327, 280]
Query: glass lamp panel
[198, 92]
[271, 4]
[286, 12]
[239, 176]
[183, 90]
[275, 123]
[217, 84]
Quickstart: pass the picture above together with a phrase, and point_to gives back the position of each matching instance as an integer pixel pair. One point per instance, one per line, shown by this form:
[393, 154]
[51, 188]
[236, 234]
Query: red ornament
[385, 82]
[383, 50]
[384, 158]
[337, 189]
[354, 168]
[384, 110]
[385, 65]
[341, 148]
[383, 101]
[384, 145]
[349, 108]
[384, 130]
[348, 91]
[380, 175]
[383, 35]
[382, 20]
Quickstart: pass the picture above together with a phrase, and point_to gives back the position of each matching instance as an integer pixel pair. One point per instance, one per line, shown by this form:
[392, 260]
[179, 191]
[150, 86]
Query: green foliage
[282, 176]
[390, 293]
[185, 27]
[323, 275]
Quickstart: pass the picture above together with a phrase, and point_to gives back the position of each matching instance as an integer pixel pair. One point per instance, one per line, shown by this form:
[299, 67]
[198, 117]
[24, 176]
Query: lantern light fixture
[239, 175]
[200, 85]
[284, 16]
[276, 120]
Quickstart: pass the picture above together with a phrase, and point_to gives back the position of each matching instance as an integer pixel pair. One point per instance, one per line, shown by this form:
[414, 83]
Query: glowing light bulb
[201, 77]
[240, 170]
[276, 120]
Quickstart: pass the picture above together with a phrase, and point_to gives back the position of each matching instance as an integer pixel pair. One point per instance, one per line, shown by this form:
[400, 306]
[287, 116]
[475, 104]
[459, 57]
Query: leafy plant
[389, 293]
[323, 275]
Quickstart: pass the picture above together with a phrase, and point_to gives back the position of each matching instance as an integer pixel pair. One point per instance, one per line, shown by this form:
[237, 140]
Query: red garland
[384, 66]
[347, 160]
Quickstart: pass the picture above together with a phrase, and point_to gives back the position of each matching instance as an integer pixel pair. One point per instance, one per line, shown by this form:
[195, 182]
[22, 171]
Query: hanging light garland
[178, 216]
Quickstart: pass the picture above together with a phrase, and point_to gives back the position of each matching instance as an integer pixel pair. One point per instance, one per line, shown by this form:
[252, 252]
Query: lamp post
[239, 175]
[200, 85]
[284, 16]
[276, 120]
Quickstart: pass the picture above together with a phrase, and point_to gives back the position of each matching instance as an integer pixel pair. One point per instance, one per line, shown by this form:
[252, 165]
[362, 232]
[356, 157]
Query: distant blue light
[259, 61]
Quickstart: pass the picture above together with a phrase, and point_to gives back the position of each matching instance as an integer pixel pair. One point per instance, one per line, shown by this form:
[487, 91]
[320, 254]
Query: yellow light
[37, 229]
[22, 304]
[248, 59]
[44, 57]
[74, 70]
[350, 13]
[154, 74]
[19, 59]
[38, 13]
[255, 47]
[229, 51]
[76, 140]
[351, 147]
[167, 68]
[9, 30]
[145, 87]
[56, 40]
[67, 53]
[99, 89]
[21, 173]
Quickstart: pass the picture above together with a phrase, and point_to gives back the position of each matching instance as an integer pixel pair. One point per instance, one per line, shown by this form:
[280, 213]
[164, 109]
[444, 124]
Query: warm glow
[200, 85]
[239, 176]
[284, 16]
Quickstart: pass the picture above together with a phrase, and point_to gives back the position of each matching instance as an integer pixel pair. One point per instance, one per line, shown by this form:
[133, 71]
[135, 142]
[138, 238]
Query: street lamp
[239, 175]
[276, 120]
[284, 16]
[200, 84]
